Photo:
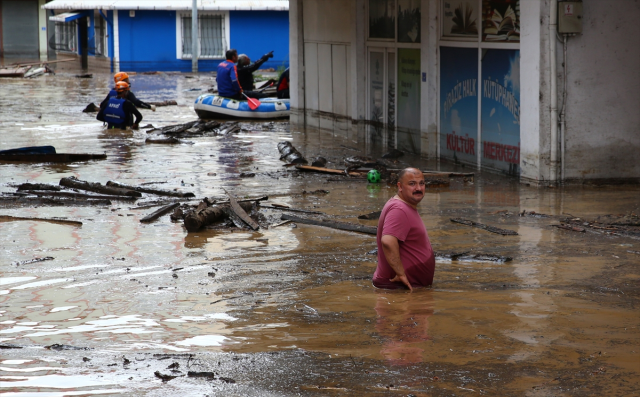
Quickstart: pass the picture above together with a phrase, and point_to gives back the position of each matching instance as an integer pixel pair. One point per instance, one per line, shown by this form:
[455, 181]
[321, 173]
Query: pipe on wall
[563, 111]
[553, 22]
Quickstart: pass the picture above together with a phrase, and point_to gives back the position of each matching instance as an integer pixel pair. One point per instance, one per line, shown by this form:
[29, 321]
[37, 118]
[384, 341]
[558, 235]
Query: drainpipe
[116, 43]
[553, 22]
[563, 111]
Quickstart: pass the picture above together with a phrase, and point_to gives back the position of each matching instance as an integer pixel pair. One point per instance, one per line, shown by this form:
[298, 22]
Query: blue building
[155, 35]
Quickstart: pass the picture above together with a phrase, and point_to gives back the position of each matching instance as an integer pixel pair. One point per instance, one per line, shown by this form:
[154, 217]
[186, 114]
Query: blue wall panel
[257, 32]
[148, 40]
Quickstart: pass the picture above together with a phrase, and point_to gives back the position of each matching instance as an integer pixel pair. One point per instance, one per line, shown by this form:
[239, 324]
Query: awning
[169, 5]
[66, 17]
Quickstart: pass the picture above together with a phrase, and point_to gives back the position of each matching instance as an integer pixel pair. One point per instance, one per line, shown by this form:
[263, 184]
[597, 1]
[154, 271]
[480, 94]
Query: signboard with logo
[459, 104]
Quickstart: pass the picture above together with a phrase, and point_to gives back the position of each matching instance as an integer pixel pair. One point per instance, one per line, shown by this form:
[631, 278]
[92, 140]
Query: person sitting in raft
[118, 111]
[405, 256]
[122, 76]
[245, 74]
[283, 85]
[227, 77]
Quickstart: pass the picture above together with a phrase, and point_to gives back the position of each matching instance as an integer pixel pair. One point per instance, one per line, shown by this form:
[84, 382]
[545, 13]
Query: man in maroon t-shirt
[405, 256]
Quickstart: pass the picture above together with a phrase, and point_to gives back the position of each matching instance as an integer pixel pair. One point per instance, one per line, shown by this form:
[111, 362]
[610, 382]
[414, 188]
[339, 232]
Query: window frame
[67, 26]
[227, 38]
[105, 39]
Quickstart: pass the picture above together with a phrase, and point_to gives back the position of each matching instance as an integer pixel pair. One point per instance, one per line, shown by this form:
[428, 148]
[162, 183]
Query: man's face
[235, 58]
[411, 187]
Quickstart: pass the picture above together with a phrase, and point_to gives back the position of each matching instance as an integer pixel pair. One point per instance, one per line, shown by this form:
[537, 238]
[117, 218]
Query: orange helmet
[120, 76]
[122, 86]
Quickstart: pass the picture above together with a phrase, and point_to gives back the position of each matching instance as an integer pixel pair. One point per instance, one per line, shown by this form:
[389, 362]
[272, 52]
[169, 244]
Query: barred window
[213, 43]
[100, 36]
[66, 37]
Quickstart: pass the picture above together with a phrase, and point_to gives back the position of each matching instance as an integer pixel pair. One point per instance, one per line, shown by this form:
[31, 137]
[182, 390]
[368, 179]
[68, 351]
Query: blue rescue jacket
[114, 113]
[112, 94]
[227, 79]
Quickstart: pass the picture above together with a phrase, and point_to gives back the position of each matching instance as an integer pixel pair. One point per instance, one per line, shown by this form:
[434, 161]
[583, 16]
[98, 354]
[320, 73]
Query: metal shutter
[20, 28]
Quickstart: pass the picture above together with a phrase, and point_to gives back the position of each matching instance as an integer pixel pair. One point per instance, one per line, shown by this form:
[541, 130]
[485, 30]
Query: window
[100, 37]
[66, 36]
[213, 37]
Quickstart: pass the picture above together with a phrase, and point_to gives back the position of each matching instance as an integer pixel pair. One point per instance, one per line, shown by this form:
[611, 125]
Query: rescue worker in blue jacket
[122, 76]
[227, 78]
[118, 111]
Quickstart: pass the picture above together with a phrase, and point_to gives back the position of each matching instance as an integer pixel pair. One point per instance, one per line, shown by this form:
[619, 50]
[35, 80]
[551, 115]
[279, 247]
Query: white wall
[328, 33]
[603, 107]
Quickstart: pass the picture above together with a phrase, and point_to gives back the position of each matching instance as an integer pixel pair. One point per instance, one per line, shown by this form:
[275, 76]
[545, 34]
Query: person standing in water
[122, 76]
[118, 111]
[405, 256]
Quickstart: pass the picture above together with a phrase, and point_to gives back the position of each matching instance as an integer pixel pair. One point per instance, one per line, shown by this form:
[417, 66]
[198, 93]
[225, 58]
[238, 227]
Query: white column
[533, 96]
[359, 69]
[429, 100]
[42, 30]
[296, 63]
[195, 48]
[116, 43]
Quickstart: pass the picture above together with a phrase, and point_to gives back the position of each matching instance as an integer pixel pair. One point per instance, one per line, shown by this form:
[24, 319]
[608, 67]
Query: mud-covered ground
[290, 310]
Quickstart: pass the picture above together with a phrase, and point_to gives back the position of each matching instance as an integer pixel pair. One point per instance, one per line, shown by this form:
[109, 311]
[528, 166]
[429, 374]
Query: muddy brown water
[291, 310]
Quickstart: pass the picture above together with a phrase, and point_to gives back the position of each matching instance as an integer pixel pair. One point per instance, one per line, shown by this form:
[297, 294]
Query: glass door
[381, 103]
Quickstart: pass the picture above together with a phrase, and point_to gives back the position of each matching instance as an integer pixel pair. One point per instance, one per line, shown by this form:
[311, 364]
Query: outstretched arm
[391, 250]
[139, 104]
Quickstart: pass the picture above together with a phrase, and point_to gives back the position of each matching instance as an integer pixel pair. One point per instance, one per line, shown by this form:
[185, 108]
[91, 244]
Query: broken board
[241, 212]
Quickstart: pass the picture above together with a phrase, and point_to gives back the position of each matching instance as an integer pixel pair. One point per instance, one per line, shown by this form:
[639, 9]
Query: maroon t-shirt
[400, 220]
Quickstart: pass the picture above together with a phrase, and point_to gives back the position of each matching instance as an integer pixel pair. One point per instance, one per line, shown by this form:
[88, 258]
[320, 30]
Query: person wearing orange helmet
[118, 111]
[124, 77]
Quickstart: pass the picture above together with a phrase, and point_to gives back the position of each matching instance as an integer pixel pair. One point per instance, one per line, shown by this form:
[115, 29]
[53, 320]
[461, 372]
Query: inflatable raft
[211, 106]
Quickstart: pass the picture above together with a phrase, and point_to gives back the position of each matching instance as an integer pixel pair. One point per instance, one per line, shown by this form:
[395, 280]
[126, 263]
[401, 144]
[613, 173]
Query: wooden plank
[52, 158]
[492, 229]
[282, 208]
[7, 218]
[10, 202]
[97, 187]
[372, 215]
[77, 195]
[325, 170]
[240, 212]
[157, 214]
[157, 192]
[351, 227]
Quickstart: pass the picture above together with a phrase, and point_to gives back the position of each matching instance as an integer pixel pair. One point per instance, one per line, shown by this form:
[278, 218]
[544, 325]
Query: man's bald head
[410, 170]
[411, 186]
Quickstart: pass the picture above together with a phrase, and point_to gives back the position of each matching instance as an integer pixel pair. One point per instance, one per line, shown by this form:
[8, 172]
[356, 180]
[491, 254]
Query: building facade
[23, 30]
[544, 90]
[138, 35]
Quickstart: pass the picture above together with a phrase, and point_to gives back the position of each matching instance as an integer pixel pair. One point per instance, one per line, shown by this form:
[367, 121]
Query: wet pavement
[291, 310]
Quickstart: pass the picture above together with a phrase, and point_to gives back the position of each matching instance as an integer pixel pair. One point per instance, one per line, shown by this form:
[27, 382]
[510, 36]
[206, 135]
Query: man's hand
[391, 250]
[153, 108]
[402, 279]
[269, 55]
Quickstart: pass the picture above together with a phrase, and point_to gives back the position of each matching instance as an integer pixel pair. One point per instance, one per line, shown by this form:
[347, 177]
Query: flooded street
[290, 310]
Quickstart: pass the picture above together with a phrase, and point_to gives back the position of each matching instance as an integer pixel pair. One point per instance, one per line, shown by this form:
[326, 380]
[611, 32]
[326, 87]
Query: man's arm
[256, 65]
[139, 104]
[103, 104]
[391, 250]
[135, 112]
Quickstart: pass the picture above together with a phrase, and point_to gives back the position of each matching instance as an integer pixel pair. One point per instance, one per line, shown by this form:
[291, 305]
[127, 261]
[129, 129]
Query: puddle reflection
[403, 321]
